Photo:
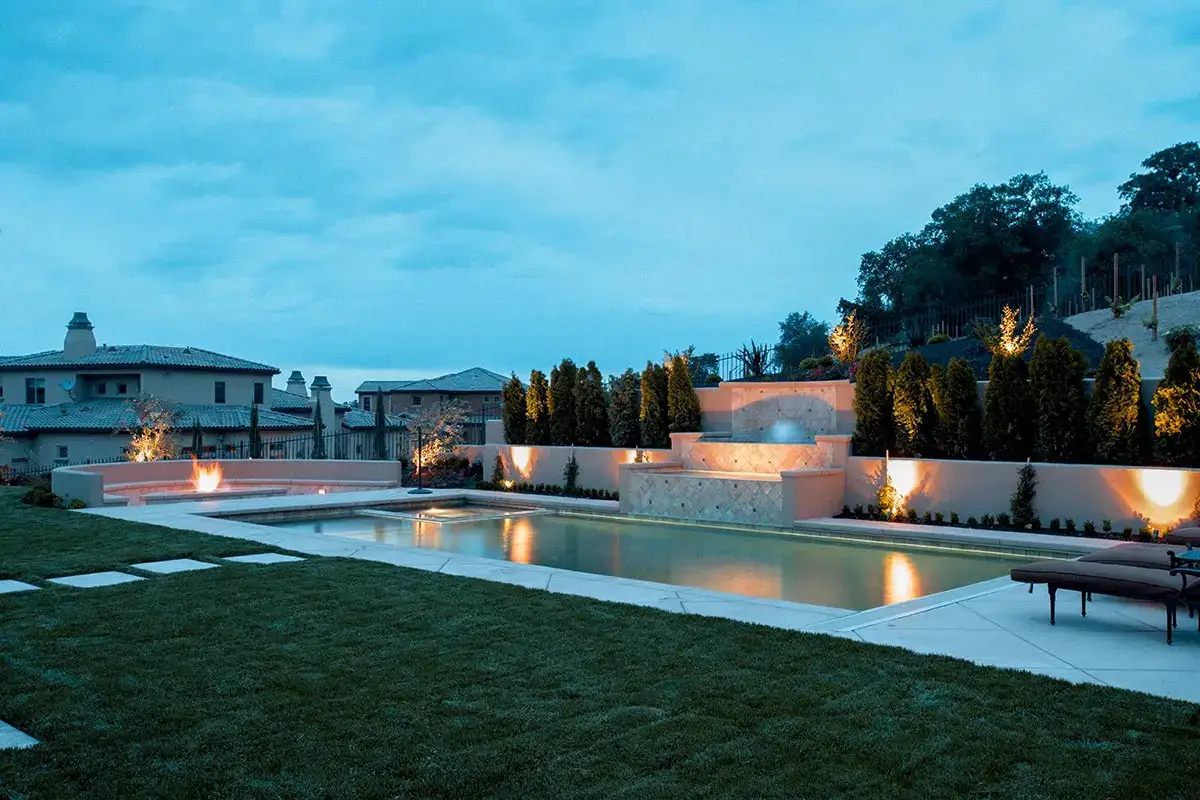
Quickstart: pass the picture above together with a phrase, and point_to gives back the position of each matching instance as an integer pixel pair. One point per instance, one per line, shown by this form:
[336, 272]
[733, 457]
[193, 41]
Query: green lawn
[344, 679]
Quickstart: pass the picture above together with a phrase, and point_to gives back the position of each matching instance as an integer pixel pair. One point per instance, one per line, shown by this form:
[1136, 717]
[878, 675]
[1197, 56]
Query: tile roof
[357, 419]
[111, 415]
[475, 379]
[137, 355]
[283, 400]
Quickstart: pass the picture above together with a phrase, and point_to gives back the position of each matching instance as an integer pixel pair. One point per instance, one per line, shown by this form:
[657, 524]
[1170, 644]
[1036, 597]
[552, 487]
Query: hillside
[1181, 309]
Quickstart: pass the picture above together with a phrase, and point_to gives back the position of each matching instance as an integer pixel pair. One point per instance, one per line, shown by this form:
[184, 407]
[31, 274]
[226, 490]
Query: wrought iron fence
[475, 427]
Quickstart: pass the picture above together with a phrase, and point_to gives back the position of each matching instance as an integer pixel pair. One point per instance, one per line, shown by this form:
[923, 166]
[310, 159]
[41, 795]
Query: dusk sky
[403, 189]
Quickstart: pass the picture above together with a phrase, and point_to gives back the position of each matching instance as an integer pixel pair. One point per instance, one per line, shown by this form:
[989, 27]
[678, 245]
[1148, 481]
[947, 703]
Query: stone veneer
[753, 457]
[698, 496]
[755, 407]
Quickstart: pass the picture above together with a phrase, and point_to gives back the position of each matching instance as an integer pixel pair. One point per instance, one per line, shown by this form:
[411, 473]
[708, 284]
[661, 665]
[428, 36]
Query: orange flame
[206, 479]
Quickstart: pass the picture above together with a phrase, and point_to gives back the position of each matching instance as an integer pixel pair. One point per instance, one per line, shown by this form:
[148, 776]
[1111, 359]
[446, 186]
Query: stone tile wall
[755, 407]
[767, 459]
[679, 495]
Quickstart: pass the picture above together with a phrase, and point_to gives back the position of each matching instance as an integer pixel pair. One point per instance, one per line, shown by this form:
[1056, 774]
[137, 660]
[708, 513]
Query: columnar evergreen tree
[255, 436]
[537, 410]
[1021, 504]
[318, 432]
[563, 416]
[1116, 412]
[653, 414]
[515, 411]
[937, 390]
[1056, 374]
[624, 409]
[1008, 423]
[873, 404]
[683, 406]
[1177, 406]
[591, 408]
[915, 416]
[380, 429]
[197, 439]
[959, 418]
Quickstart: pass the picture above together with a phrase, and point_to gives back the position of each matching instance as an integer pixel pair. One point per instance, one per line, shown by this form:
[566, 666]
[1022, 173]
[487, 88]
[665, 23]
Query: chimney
[322, 389]
[295, 383]
[80, 340]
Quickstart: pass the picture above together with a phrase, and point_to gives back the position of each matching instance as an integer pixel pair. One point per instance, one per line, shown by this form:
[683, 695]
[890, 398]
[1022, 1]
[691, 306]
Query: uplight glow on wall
[1162, 487]
[903, 475]
[522, 460]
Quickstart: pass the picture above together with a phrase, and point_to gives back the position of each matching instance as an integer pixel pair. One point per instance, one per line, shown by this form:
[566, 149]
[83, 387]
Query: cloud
[508, 184]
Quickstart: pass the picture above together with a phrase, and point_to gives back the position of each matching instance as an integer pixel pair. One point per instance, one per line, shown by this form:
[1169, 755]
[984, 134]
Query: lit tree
[441, 427]
[150, 432]
[591, 408]
[563, 412]
[537, 409]
[1008, 341]
[847, 338]
[623, 410]
[683, 406]
[515, 411]
[653, 414]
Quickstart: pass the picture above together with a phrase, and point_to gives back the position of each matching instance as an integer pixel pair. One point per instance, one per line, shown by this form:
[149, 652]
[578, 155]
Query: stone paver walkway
[93, 580]
[13, 739]
[172, 566]
[10, 587]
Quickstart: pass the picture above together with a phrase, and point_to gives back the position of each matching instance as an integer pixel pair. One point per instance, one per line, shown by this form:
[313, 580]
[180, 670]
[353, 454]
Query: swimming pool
[766, 565]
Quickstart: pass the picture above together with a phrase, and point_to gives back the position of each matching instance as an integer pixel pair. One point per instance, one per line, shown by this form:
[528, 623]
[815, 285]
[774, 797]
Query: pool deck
[994, 623]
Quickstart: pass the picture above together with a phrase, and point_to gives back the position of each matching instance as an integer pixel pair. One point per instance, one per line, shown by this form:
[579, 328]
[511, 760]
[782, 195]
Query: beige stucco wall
[715, 409]
[811, 494]
[695, 453]
[745, 409]
[199, 387]
[1079, 491]
[528, 464]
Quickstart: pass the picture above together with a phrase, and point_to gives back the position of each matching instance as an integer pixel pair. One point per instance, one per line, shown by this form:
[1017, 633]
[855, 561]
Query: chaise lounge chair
[1145, 554]
[1170, 587]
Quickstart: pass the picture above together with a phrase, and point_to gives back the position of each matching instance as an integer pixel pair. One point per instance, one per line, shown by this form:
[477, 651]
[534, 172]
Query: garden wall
[749, 410]
[1080, 491]
[529, 464]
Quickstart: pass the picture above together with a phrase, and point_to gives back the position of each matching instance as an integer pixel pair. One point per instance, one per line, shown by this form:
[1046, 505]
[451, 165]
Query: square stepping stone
[264, 558]
[94, 579]
[8, 587]
[13, 739]
[173, 565]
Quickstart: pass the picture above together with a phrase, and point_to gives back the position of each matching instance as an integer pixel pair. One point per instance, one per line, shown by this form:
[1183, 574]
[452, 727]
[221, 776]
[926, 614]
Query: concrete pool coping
[992, 623]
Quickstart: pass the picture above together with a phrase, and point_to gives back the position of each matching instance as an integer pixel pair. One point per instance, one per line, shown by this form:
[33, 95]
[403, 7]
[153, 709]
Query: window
[258, 394]
[101, 388]
[416, 400]
[62, 451]
[219, 392]
[35, 391]
[122, 388]
[367, 403]
[1, 391]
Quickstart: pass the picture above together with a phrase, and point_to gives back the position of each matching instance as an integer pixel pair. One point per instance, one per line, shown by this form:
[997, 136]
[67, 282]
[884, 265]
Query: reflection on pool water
[838, 574]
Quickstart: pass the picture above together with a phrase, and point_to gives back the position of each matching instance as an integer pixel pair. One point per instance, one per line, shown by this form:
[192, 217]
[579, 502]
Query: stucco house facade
[72, 405]
[476, 388]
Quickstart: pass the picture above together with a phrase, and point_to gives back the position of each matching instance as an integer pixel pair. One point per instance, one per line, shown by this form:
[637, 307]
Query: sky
[366, 189]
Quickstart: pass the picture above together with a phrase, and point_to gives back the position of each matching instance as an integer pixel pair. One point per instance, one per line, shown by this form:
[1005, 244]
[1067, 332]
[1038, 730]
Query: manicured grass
[46, 543]
[334, 678]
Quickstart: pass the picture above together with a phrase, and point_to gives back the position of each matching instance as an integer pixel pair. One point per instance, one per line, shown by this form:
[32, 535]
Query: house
[477, 388]
[72, 405]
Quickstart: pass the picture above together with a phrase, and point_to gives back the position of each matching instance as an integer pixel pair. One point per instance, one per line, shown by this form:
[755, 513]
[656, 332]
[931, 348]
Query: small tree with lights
[1007, 403]
[151, 429]
[847, 338]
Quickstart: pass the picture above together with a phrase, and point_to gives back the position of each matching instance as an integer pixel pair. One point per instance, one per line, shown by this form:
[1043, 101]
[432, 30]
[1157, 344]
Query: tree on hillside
[1116, 408]
[653, 413]
[537, 410]
[705, 367]
[1056, 374]
[515, 410]
[915, 414]
[591, 408]
[624, 408]
[563, 421]
[801, 336]
[683, 406]
[1171, 181]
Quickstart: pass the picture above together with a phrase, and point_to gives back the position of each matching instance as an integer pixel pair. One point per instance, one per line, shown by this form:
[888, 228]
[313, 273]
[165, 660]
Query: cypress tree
[1177, 407]
[1056, 373]
[873, 405]
[653, 414]
[1116, 412]
[1021, 503]
[591, 408]
[1008, 410]
[914, 412]
[255, 436]
[197, 439]
[515, 411]
[318, 432]
[624, 410]
[380, 428]
[959, 417]
[563, 414]
[537, 410]
[683, 406]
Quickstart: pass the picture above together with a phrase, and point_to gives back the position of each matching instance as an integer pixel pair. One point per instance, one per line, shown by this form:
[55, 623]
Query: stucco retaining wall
[530, 464]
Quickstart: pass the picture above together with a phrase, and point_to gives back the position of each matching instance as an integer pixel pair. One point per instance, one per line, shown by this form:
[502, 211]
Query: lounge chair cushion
[1184, 536]
[1135, 583]
[1135, 554]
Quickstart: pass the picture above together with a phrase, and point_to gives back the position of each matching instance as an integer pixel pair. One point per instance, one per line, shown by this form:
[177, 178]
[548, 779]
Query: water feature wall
[673, 493]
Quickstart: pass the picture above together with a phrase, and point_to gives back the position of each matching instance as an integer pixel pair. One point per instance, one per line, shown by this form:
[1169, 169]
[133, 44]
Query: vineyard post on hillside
[1154, 330]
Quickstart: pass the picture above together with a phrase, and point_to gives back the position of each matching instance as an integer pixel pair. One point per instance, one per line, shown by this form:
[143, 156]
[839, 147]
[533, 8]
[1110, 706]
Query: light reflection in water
[520, 539]
[900, 579]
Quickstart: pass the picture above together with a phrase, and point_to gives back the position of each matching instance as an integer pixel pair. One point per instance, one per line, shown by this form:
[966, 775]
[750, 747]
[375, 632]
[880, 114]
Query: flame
[206, 479]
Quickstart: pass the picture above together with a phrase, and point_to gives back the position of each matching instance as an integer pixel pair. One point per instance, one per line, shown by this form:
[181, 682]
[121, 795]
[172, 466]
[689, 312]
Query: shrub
[41, 497]
[912, 516]
[537, 409]
[972, 522]
[1055, 525]
[76, 504]
[1127, 533]
[938, 338]
[846, 512]
[953, 517]
[939, 518]
[959, 418]
[1007, 410]
[653, 413]
[515, 411]
[1177, 407]
[591, 408]
[858, 510]
[755, 359]
[1003, 520]
[563, 414]
[1115, 414]
[1056, 374]
[1089, 528]
[1021, 503]
[873, 405]
[987, 521]
[1036, 525]
[624, 428]
[1069, 525]
[683, 406]
[498, 472]
[808, 363]
[570, 474]
[1181, 334]
[915, 417]
[1106, 526]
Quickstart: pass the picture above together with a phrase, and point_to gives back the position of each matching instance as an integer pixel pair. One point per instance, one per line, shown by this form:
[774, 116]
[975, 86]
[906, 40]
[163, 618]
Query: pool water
[839, 574]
